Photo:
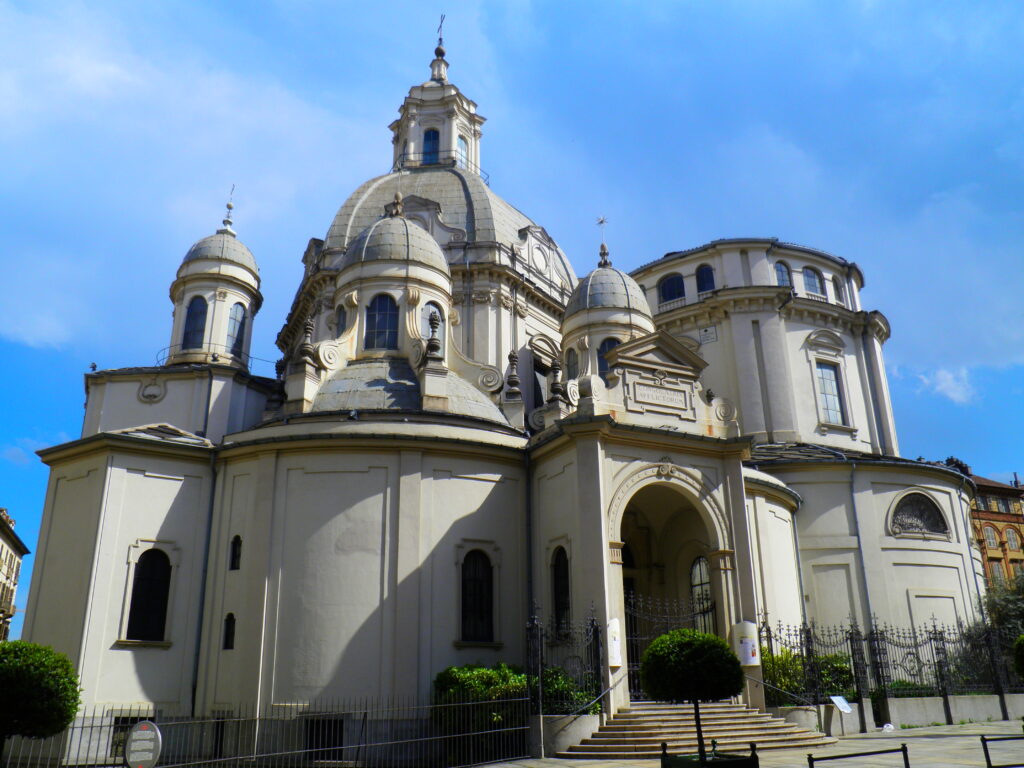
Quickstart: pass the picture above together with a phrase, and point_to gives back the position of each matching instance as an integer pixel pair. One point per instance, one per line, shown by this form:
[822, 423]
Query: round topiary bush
[39, 690]
[685, 665]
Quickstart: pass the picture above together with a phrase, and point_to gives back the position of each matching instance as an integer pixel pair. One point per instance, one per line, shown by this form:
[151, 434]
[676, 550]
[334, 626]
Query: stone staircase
[637, 732]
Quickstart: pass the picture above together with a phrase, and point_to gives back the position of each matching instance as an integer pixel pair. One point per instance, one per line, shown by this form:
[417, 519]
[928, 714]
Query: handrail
[808, 702]
[442, 157]
[985, 740]
[592, 702]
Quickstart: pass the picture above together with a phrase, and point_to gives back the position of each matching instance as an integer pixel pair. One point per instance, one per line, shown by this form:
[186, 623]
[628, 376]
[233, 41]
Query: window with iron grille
[700, 596]
[916, 513]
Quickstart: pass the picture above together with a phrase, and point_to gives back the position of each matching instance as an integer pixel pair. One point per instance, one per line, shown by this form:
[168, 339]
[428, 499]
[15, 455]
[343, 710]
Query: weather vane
[440, 33]
[601, 221]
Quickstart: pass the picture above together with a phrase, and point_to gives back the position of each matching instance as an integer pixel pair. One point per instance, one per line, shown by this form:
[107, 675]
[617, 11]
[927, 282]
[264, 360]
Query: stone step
[709, 733]
[687, 718]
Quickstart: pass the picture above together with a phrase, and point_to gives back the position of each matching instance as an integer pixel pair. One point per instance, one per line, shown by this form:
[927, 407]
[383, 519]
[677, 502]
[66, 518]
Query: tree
[40, 691]
[1018, 655]
[1004, 605]
[688, 666]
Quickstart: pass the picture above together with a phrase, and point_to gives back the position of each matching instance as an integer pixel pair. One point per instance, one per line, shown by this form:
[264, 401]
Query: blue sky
[891, 134]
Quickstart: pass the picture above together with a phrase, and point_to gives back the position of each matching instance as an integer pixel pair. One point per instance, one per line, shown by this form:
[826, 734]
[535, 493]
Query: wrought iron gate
[650, 617]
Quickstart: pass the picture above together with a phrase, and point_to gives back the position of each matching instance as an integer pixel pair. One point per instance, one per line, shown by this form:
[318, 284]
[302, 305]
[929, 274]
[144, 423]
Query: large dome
[465, 203]
[395, 238]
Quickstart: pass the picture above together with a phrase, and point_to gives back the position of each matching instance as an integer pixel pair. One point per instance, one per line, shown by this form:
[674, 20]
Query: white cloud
[14, 454]
[954, 384]
[21, 453]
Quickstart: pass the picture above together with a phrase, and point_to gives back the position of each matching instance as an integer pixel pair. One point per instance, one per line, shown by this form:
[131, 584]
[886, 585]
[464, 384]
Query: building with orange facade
[997, 516]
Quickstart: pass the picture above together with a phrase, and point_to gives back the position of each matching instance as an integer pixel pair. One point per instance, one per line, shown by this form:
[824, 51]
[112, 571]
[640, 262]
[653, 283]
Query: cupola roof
[395, 238]
[607, 288]
[223, 245]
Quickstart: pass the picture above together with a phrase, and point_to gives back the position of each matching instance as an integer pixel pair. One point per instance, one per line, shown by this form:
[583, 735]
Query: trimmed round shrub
[39, 690]
[685, 665]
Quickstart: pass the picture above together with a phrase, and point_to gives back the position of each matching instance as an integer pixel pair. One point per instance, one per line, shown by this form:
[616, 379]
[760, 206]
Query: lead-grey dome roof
[395, 238]
[391, 384]
[222, 246]
[607, 288]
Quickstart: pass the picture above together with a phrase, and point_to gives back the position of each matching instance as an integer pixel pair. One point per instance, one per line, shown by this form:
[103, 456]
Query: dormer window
[431, 146]
[381, 323]
[705, 279]
[195, 324]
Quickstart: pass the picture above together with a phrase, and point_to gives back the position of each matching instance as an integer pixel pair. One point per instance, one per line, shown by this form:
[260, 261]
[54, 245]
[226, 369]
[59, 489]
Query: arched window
[837, 288]
[702, 605]
[429, 307]
[236, 330]
[991, 537]
[1012, 539]
[229, 632]
[916, 513]
[235, 559]
[670, 288]
[151, 587]
[572, 364]
[705, 278]
[560, 588]
[813, 281]
[463, 152]
[340, 321]
[602, 362]
[381, 323]
[782, 274]
[195, 324]
[431, 145]
[477, 598]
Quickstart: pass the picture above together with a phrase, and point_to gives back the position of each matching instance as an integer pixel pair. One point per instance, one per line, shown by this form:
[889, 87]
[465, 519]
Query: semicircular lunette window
[916, 513]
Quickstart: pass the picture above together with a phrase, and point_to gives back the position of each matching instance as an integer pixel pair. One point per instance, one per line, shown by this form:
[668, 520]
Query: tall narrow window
[431, 145]
[700, 596]
[814, 283]
[463, 152]
[837, 287]
[195, 324]
[235, 560]
[381, 323]
[236, 330]
[340, 321]
[705, 278]
[151, 587]
[830, 394]
[477, 598]
[572, 364]
[1012, 539]
[671, 288]
[560, 588]
[782, 274]
[991, 537]
[602, 361]
[540, 381]
[229, 632]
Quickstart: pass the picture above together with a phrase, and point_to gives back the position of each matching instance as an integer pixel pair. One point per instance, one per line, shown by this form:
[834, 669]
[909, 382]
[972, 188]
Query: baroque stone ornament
[327, 354]
[512, 382]
[490, 380]
[152, 390]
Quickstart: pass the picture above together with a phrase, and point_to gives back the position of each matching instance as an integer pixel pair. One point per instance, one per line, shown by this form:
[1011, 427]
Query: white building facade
[461, 431]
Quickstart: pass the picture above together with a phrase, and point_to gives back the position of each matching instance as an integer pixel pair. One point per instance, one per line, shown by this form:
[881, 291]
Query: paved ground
[932, 747]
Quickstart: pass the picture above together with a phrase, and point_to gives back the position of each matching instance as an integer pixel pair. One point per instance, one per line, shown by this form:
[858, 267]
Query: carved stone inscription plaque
[660, 393]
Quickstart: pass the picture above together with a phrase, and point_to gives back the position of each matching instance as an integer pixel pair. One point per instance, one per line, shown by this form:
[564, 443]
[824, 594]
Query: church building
[462, 431]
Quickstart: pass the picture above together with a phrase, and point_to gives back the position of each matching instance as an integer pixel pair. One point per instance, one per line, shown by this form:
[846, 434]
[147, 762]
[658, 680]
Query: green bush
[562, 695]
[684, 665]
[478, 683]
[39, 693]
[786, 670]
[1018, 655]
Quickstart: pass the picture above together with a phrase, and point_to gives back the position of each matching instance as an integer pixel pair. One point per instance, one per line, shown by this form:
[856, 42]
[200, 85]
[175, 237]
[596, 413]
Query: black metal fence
[651, 617]
[810, 663]
[369, 733]
[564, 663]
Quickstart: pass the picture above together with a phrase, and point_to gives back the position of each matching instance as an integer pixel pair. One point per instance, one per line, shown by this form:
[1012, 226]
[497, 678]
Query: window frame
[820, 279]
[186, 330]
[227, 641]
[1013, 540]
[603, 367]
[993, 542]
[572, 364]
[828, 347]
[235, 339]
[235, 553]
[839, 291]
[431, 157]
[703, 620]
[493, 552]
[661, 285]
[789, 274]
[893, 530]
[396, 329]
[135, 551]
[703, 270]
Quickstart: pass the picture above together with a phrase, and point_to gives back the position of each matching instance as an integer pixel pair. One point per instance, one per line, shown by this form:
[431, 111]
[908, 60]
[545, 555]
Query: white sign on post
[614, 644]
[143, 747]
[842, 704]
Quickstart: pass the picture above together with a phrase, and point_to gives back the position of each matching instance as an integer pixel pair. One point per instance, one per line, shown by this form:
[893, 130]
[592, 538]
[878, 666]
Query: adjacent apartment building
[12, 549]
[998, 519]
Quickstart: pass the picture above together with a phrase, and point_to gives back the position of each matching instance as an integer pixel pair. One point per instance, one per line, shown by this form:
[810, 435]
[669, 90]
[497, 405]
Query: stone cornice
[106, 441]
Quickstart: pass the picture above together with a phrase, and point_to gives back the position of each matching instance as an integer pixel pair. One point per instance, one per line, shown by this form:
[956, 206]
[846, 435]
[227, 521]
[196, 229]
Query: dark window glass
[916, 513]
[705, 278]
[782, 274]
[341, 320]
[813, 281]
[235, 561]
[236, 330]
[229, 632]
[195, 324]
[572, 364]
[560, 587]
[382, 323]
[540, 382]
[671, 288]
[151, 586]
[477, 598]
[830, 394]
[700, 596]
[602, 362]
[837, 286]
[431, 145]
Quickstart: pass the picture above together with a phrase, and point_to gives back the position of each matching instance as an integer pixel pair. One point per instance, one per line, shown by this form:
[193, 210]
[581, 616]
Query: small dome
[607, 288]
[395, 238]
[223, 246]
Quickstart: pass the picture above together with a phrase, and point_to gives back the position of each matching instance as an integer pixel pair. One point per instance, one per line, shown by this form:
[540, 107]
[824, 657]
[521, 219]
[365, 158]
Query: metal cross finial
[440, 31]
[230, 207]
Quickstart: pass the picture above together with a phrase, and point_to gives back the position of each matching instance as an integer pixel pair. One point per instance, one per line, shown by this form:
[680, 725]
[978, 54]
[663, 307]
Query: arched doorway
[670, 577]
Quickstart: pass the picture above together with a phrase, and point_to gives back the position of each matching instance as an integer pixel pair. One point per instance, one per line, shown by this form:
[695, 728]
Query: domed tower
[216, 294]
[606, 309]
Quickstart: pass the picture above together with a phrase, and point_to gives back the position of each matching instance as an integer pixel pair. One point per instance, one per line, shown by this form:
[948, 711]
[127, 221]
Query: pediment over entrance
[658, 376]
